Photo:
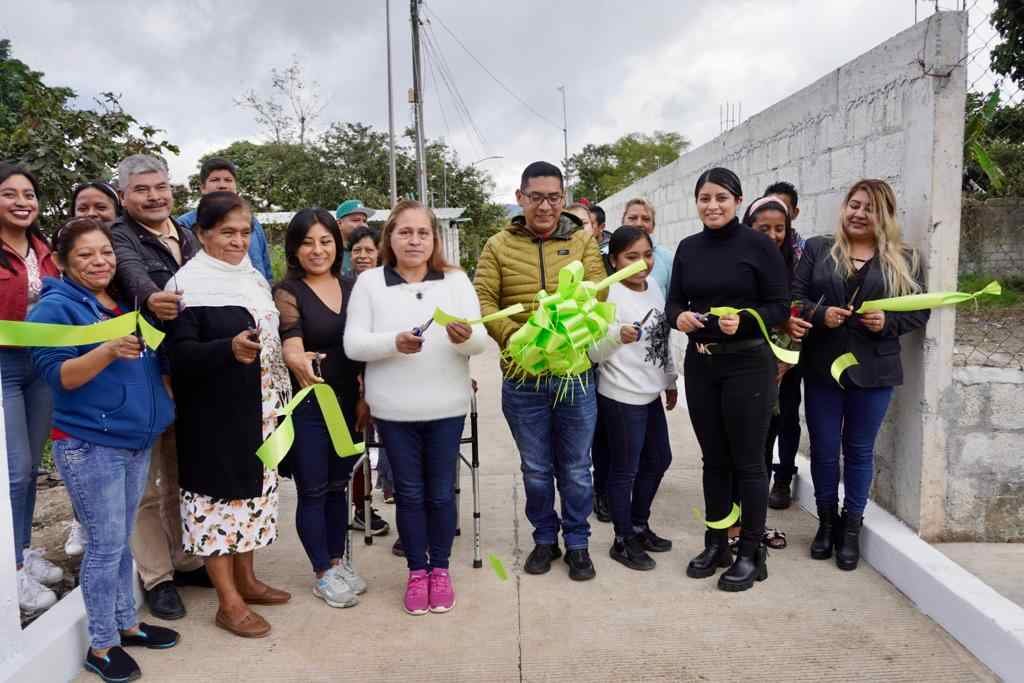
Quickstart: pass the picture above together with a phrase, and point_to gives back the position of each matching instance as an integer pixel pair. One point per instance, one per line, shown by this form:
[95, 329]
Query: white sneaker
[75, 545]
[33, 596]
[41, 569]
[334, 593]
[348, 575]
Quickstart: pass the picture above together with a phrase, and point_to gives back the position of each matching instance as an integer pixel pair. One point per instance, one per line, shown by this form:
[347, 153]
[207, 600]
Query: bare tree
[288, 91]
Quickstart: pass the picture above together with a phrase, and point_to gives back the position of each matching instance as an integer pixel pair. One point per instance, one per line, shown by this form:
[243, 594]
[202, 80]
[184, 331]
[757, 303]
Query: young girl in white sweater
[418, 387]
[635, 368]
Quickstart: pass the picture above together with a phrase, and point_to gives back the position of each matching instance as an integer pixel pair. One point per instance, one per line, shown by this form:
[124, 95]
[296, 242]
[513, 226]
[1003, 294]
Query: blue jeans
[105, 485]
[640, 455]
[423, 457]
[28, 411]
[554, 439]
[321, 482]
[849, 419]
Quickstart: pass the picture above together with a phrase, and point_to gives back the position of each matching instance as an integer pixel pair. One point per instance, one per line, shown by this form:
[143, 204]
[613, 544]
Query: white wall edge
[55, 643]
[989, 625]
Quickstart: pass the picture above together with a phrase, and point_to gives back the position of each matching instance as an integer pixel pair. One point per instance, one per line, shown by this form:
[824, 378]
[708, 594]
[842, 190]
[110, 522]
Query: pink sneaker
[442, 593]
[417, 593]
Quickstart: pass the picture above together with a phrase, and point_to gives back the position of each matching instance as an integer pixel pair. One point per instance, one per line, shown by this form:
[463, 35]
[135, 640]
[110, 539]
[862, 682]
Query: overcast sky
[627, 66]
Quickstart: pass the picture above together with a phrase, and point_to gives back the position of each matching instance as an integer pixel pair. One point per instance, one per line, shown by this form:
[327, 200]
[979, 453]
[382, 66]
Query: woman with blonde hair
[418, 387]
[640, 213]
[866, 259]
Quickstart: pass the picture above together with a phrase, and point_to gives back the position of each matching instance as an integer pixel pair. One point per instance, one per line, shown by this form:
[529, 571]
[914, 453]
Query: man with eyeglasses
[553, 433]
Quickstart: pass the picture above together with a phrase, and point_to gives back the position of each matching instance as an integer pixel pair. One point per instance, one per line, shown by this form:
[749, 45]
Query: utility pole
[417, 86]
[391, 112]
[565, 147]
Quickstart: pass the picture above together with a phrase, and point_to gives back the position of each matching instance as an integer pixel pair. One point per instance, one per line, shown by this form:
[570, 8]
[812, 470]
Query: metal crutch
[474, 469]
[365, 457]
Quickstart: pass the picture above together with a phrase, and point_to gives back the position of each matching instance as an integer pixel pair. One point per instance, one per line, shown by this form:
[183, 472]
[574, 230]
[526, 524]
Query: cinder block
[884, 156]
[815, 174]
[1007, 407]
[847, 166]
[970, 404]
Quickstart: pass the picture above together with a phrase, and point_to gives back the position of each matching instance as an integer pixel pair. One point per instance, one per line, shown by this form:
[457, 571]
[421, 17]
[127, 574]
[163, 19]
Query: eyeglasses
[536, 198]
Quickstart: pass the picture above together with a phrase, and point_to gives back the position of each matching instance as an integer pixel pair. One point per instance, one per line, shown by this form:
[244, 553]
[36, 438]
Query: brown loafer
[251, 625]
[271, 596]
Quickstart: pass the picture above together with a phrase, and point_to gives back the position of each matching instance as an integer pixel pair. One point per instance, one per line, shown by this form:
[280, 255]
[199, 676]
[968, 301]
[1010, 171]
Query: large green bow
[565, 324]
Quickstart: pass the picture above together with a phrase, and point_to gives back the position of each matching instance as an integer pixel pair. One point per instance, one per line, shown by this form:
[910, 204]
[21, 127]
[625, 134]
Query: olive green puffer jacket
[516, 264]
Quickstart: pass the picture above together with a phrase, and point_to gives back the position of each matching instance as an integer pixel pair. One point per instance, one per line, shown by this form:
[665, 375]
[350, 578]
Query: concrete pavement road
[807, 622]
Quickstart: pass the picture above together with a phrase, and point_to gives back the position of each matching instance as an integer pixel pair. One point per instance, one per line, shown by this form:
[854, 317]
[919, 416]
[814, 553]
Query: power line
[449, 79]
[488, 71]
[435, 67]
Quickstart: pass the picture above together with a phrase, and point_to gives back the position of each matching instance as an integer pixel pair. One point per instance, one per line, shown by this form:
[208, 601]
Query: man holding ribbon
[150, 248]
[553, 432]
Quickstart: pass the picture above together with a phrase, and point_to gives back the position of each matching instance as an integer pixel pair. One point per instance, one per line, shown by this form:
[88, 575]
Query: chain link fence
[991, 332]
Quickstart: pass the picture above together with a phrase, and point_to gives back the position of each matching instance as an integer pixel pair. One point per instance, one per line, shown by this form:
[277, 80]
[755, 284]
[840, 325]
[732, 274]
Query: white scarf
[206, 281]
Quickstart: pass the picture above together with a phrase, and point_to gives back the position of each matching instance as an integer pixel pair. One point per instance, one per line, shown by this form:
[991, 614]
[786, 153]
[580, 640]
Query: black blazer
[220, 412]
[877, 352]
[144, 265]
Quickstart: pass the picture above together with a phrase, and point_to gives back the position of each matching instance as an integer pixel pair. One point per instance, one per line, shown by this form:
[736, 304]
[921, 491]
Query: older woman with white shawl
[230, 380]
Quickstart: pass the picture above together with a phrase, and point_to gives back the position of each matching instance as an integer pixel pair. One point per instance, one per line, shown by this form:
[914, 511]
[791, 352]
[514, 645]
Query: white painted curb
[985, 622]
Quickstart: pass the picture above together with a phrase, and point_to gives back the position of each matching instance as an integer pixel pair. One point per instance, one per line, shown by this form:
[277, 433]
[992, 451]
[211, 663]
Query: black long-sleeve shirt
[729, 266]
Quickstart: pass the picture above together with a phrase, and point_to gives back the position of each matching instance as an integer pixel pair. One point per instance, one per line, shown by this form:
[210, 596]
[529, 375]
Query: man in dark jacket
[151, 247]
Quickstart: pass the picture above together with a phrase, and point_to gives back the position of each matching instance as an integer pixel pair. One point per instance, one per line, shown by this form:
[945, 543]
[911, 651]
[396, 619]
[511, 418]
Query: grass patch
[1013, 290]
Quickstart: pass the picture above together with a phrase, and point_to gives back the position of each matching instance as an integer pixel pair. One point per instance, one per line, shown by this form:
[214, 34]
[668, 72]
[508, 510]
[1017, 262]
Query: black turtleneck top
[730, 266]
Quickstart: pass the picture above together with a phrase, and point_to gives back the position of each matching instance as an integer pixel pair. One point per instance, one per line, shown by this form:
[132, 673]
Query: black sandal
[774, 539]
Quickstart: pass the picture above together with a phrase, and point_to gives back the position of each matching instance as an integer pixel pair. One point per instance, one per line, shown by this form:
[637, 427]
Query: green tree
[993, 146]
[603, 170]
[1007, 57]
[63, 145]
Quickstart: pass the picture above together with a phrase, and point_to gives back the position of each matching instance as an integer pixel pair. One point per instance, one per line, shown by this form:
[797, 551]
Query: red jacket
[14, 285]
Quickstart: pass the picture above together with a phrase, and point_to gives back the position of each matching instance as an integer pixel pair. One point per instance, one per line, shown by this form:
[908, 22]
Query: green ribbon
[498, 567]
[17, 333]
[905, 304]
[920, 302]
[785, 355]
[443, 319]
[555, 339]
[277, 445]
[727, 521]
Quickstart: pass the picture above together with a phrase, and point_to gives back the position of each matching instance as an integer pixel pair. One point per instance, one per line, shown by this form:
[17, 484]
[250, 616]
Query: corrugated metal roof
[379, 216]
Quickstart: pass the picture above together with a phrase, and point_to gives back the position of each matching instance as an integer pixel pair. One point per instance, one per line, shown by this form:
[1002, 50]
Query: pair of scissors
[138, 332]
[640, 325]
[419, 330]
[317, 367]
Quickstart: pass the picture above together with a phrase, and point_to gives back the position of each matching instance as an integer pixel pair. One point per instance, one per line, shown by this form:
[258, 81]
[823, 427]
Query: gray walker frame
[473, 463]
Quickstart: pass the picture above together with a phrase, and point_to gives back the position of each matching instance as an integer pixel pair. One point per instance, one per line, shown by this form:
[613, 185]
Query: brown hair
[437, 261]
[69, 233]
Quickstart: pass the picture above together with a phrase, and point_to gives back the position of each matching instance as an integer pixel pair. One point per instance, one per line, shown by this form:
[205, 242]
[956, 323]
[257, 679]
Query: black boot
[780, 497]
[825, 538]
[631, 553]
[750, 566]
[715, 554]
[848, 547]
[601, 510]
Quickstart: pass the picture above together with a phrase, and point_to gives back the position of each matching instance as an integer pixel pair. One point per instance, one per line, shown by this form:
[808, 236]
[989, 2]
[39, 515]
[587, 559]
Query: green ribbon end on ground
[498, 567]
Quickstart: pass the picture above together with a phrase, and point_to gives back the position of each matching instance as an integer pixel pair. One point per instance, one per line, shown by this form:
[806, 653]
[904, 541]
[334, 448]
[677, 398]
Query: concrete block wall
[992, 237]
[985, 491]
[896, 112]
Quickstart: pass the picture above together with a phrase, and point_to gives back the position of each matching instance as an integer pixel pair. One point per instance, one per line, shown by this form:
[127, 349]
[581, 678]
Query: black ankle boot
[825, 538]
[750, 566]
[781, 497]
[848, 547]
[715, 554]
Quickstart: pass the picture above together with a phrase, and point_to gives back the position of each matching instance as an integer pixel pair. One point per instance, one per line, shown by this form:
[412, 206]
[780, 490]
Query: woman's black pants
[730, 398]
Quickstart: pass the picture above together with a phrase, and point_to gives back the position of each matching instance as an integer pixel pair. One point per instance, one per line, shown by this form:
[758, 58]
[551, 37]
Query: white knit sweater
[429, 385]
[635, 373]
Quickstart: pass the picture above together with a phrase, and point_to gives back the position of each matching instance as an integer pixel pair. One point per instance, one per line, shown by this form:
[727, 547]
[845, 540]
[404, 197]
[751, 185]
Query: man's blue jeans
[28, 411]
[849, 419]
[554, 438]
[105, 485]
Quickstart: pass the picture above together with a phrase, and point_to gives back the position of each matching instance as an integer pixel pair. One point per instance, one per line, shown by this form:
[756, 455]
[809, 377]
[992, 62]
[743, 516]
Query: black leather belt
[716, 348]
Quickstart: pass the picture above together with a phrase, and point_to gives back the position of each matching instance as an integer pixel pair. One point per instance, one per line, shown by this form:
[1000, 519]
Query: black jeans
[321, 481]
[787, 426]
[730, 398]
[638, 436]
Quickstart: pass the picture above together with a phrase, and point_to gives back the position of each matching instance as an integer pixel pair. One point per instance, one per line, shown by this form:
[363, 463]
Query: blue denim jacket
[259, 250]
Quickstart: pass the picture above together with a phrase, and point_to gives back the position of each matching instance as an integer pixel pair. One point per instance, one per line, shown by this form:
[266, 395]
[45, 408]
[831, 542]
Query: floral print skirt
[215, 526]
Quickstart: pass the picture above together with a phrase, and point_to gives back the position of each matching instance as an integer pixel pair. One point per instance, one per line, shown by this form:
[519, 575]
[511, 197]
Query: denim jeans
[600, 452]
[28, 412]
[848, 418]
[554, 436]
[424, 458]
[641, 454]
[105, 485]
[321, 482]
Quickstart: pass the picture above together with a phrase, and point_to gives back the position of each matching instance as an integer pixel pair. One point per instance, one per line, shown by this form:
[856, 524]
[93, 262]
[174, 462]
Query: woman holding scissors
[635, 368]
[418, 387]
[865, 260]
